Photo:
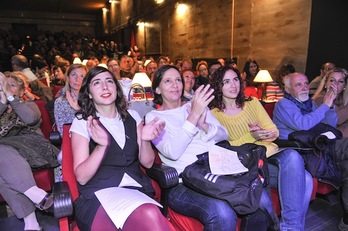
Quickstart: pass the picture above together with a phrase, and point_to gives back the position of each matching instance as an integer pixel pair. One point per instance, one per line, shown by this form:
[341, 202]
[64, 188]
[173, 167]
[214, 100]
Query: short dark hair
[158, 76]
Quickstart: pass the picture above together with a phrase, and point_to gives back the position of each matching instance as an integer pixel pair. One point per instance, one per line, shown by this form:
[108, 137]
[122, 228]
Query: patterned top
[63, 113]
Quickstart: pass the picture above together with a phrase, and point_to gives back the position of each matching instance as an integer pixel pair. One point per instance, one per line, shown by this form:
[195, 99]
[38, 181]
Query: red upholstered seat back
[67, 163]
[46, 125]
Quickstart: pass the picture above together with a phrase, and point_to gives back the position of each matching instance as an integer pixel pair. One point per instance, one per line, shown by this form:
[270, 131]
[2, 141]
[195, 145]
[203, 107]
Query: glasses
[328, 69]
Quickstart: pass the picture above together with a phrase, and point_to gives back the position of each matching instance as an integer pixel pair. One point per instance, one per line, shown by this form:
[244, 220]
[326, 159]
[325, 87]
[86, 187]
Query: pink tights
[145, 217]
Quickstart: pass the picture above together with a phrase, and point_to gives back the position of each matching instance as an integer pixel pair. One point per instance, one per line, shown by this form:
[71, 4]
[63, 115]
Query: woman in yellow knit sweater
[247, 122]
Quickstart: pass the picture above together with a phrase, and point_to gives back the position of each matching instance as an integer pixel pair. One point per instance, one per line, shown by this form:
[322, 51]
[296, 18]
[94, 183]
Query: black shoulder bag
[241, 191]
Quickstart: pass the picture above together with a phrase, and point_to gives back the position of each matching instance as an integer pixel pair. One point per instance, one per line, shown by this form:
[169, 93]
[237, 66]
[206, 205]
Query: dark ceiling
[58, 6]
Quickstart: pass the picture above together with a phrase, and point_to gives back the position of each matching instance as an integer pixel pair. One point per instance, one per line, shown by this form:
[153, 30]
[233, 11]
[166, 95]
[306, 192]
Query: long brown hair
[217, 84]
[86, 104]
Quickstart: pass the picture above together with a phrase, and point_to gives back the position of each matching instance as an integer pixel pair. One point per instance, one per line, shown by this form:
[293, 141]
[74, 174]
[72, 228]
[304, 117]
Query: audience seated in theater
[222, 61]
[336, 80]
[232, 63]
[90, 64]
[186, 64]
[150, 68]
[104, 60]
[114, 67]
[40, 67]
[58, 78]
[136, 54]
[274, 90]
[128, 67]
[102, 133]
[296, 112]
[189, 83]
[314, 84]
[162, 60]
[22, 146]
[250, 70]
[213, 67]
[178, 63]
[66, 105]
[20, 63]
[125, 83]
[189, 130]
[247, 122]
[203, 74]
[27, 95]
[61, 62]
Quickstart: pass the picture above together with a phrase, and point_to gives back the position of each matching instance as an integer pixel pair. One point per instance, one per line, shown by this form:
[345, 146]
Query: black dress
[116, 162]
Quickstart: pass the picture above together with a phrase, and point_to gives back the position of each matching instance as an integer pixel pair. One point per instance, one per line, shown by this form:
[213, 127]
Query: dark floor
[323, 214]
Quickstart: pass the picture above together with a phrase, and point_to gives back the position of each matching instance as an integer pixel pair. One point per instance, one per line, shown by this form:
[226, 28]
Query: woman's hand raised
[203, 96]
[152, 129]
[97, 133]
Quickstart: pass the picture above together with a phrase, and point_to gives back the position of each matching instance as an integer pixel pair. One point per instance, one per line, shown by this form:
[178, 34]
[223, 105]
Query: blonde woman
[336, 80]
[66, 105]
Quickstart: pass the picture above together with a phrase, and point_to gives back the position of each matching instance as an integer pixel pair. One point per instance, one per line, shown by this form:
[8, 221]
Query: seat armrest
[292, 144]
[166, 176]
[63, 205]
[55, 138]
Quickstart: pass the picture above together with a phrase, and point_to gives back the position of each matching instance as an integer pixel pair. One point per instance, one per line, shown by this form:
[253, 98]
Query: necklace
[73, 95]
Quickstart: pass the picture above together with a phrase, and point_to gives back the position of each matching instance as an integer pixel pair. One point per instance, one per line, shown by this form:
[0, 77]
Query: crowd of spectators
[49, 45]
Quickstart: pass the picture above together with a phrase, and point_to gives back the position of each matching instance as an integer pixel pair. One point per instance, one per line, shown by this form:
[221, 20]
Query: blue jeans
[260, 221]
[295, 185]
[213, 213]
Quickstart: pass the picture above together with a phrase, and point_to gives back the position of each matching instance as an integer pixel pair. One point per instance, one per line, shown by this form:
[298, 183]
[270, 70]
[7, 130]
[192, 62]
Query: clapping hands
[97, 132]
[330, 95]
[203, 96]
[152, 129]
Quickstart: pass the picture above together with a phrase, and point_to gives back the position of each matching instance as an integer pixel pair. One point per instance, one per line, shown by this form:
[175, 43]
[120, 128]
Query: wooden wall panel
[271, 31]
[278, 32]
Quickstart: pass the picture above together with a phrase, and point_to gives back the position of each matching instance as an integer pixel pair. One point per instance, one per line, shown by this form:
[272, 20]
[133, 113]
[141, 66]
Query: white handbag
[143, 105]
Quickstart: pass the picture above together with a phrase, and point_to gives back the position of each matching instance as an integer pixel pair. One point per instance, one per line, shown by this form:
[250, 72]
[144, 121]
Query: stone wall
[272, 32]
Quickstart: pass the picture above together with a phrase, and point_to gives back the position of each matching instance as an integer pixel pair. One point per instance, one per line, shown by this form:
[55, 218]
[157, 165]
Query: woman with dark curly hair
[109, 143]
[250, 70]
[247, 122]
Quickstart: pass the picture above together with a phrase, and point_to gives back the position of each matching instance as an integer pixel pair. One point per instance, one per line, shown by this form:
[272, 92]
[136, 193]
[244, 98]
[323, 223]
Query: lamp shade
[142, 79]
[84, 62]
[263, 76]
[77, 61]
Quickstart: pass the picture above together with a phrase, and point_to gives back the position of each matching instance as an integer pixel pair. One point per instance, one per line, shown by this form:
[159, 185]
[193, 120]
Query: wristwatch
[10, 98]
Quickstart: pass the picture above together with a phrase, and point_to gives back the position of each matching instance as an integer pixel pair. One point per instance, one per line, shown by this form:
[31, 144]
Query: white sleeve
[216, 131]
[173, 140]
[79, 126]
[135, 116]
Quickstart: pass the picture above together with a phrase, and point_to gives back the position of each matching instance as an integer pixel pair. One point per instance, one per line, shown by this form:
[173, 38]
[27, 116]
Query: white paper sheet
[119, 203]
[224, 162]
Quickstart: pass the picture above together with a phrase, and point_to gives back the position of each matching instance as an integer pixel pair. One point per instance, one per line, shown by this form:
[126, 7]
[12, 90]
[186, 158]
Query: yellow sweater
[237, 125]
